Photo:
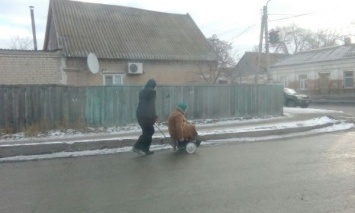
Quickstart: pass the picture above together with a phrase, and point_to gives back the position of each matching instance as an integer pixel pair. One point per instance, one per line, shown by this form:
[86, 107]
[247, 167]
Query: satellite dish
[93, 63]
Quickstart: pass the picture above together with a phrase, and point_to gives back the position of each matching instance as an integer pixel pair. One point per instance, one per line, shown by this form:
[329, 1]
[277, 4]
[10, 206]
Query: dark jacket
[146, 104]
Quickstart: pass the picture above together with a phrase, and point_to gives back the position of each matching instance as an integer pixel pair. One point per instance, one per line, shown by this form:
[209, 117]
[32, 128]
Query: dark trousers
[144, 141]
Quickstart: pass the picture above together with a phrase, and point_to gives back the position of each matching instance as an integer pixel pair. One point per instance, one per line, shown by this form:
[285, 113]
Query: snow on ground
[253, 126]
[338, 126]
[333, 128]
[274, 126]
[133, 128]
[209, 131]
[295, 110]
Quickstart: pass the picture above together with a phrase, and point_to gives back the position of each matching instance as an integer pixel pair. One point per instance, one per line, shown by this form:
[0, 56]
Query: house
[319, 72]
[167, 47]
[250, 70]
[98, 44]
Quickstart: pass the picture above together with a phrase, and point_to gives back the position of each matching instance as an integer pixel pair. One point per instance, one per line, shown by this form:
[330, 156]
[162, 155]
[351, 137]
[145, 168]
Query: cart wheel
[191, 147]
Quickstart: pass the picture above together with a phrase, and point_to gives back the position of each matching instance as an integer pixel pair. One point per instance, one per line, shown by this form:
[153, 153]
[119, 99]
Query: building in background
[320, 72]
[250, 67]
[125, 46]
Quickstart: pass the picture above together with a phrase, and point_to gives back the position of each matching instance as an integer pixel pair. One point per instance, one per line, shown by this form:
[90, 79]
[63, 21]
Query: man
[180, 131]
[146, 117]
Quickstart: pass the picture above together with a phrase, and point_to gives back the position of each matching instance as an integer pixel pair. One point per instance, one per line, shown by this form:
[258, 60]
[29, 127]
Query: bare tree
[210, 75]
[294, 39]
[18, 43]
[325, 38]
[223, 49]
[225, 54]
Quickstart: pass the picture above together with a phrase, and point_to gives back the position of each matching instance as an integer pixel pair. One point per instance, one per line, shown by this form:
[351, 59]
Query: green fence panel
[26, 105]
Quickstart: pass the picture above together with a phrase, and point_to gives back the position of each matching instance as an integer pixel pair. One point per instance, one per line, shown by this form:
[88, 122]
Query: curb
[54, 147]
[329, 101]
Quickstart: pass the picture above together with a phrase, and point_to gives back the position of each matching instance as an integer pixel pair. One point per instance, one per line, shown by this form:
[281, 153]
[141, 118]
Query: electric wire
[305, 14]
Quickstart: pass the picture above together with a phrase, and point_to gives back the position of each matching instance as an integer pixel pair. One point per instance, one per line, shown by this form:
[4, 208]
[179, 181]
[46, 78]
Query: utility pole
[260, 49]
[264, 29]
[267, 44]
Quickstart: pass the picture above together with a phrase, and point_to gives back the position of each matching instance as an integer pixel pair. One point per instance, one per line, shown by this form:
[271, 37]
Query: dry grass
[43, 127]
[7, 130]
[35, 129]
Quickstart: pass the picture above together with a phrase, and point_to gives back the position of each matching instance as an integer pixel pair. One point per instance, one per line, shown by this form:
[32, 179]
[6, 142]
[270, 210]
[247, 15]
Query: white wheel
[191, 148]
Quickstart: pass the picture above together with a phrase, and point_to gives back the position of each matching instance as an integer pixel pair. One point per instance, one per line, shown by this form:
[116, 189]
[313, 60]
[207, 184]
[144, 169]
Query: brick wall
[30, 67]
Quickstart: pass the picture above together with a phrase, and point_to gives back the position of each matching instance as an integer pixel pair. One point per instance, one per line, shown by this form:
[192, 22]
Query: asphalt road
[313, 174]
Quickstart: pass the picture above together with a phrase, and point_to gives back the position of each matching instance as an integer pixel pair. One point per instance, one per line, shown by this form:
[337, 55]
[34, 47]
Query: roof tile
[319, 55]
[127, 33]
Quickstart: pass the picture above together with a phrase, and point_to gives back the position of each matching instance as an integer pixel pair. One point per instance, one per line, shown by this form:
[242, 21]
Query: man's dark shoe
[148, 152]
[138, 151]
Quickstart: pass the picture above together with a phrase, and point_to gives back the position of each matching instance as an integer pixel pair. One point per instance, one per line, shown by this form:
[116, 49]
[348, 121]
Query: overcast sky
[234, 21]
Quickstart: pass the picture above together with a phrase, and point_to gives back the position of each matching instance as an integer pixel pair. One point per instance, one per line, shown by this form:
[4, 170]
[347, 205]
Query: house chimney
[33, 28]
[347, 41]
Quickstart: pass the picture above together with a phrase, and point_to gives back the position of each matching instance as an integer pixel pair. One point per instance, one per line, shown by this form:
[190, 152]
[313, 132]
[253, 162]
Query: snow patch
[333, 128]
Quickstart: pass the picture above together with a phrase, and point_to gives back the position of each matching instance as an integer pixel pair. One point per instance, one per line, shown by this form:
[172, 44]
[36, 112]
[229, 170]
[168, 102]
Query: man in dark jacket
[146, 117]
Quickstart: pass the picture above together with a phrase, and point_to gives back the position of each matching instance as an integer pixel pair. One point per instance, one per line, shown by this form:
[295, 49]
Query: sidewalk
[334, 99]
[293, 121]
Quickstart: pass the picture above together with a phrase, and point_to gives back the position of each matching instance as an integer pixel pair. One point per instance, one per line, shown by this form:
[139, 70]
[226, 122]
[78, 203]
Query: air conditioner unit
[135, 68]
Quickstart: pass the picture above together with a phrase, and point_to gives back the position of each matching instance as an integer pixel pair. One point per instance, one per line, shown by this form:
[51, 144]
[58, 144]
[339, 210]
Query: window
[283, 80]
[303, 82]
[348, 79]
[113, 79]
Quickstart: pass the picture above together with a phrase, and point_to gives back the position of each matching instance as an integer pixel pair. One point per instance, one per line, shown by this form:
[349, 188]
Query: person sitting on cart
[180, 130]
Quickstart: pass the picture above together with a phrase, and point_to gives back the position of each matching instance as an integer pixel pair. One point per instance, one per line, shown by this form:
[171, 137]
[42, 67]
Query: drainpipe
[33, 28]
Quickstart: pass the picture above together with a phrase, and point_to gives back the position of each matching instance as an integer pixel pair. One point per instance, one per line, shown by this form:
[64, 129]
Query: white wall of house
[290, 75]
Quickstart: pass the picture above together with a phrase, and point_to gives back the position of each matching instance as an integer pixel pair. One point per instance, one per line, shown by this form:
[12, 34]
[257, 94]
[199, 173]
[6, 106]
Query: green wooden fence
[53, 105]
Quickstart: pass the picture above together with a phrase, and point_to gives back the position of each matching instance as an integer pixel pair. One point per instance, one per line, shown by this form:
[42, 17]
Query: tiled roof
[319, 55]
[117, 32]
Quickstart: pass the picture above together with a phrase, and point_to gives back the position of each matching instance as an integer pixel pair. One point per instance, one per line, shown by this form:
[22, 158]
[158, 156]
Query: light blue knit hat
[182, 106]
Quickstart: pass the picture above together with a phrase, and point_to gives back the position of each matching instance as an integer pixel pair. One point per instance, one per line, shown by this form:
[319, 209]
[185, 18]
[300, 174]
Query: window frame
[284, 80]
[303, 80]
[114, 79]
[346, 77]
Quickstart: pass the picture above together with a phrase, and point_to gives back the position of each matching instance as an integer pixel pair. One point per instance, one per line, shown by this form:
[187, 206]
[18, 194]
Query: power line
[291, 17]
[229, 25]
[250, 27]
[280, 14]
[226, 32]
[240, 34]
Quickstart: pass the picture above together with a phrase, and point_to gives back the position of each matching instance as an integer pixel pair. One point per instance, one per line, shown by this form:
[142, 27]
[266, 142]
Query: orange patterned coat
[178, 127]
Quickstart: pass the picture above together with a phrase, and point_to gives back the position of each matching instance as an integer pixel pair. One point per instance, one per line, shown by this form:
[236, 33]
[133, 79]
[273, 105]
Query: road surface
[310, 174]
